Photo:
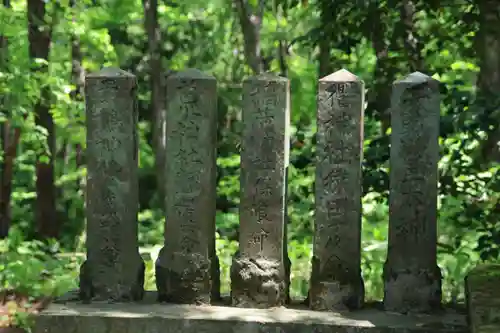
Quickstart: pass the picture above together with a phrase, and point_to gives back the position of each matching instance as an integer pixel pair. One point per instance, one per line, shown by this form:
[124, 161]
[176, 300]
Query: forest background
[48, 46]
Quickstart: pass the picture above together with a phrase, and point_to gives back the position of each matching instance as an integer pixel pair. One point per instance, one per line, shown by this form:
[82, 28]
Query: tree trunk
[385, 69]
[156, 85]
[4, 136]
[404, 38]
[39, 36]
[488, 84]
[411, 41]
[9, 146]
[327, 16]
[77, 76]
[251, 24]
[282, 50]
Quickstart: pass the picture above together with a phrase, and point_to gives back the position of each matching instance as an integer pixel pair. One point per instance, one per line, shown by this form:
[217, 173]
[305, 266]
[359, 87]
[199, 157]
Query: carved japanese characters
[411, 275]
[257, 274]
[336, 282]
[187, 265]
[114, 270]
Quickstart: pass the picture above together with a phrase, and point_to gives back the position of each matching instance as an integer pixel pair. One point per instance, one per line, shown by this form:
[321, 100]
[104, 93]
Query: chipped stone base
[338, 287]
[257, 283]
[412, 290]
[333, 296]
[107, 288]
[169, 318]
[183, 278]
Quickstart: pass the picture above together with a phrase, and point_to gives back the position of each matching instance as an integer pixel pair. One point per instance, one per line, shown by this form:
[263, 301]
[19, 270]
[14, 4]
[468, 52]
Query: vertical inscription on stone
[114, 270]
[257, 275]
[411, 275]
[336, 282]
[184, 270]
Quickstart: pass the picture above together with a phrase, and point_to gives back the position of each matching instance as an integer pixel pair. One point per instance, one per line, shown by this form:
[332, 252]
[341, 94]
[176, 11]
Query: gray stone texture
[411, 276]
[166, 318]
[258, 272]
[482, 290]
[336, 282]
[286, 258]
[114, 270]
[187, 264]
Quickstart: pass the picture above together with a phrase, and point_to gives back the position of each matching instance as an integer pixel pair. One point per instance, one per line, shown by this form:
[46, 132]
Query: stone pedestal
[175, 318]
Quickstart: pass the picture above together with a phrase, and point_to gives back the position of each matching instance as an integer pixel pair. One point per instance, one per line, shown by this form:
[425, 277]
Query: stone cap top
[416, 78]
[267, 76]
[342, 75]
[484, 272]
[190, 73]
[110, 72]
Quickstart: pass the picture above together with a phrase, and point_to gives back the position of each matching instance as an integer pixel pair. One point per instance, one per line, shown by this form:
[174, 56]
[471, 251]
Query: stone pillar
[483, 298]
[286, 257]
[186, 264]
[336, 282]
[114, 270]
[258, 272]
[412, 279]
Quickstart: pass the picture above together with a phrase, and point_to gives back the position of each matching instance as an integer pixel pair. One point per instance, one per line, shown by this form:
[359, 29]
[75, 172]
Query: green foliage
[35, 268]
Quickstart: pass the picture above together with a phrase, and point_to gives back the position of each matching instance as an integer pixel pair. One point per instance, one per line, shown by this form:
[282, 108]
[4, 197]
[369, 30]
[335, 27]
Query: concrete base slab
[75, 317]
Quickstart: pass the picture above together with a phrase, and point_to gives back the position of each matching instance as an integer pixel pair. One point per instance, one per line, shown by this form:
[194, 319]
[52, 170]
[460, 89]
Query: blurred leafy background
[43, 135]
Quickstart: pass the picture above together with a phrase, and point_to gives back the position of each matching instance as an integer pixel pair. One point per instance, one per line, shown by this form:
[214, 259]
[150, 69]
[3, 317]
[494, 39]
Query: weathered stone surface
[336, 282]
[286, 259]
[155, 318]
[114, 270]
[187, 263]
[257, 273]
[482, 289]
[411, 275]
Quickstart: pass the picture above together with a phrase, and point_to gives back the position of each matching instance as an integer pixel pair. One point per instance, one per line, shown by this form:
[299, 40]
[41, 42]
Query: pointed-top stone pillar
[336, 282]
[411, 276]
